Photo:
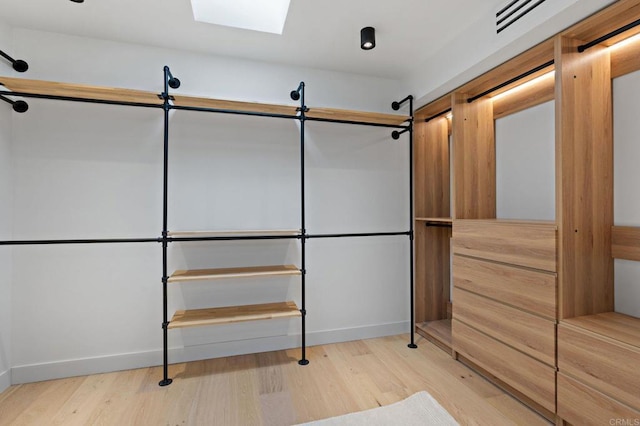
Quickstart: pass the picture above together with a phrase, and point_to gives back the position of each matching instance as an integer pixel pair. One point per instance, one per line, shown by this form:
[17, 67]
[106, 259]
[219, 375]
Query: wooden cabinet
[504, 316]
[533, 302]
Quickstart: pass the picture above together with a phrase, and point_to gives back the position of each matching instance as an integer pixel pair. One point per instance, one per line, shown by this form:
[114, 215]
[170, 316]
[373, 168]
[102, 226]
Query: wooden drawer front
[528, 333]
[520, 243]
[606, 365]
[534, 379]
[581, 405]
[525, 289]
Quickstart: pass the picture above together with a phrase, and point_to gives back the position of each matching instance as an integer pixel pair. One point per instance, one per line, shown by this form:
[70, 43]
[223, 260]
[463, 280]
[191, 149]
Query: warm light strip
[625, 42]
[523, 86]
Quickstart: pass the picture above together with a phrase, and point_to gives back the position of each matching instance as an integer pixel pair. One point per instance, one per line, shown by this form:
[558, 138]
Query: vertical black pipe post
[303, 241]
[165, 322]
[412, 345]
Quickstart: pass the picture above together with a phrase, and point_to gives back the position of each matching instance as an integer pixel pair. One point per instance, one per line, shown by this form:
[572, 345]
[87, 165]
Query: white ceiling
[320, 34]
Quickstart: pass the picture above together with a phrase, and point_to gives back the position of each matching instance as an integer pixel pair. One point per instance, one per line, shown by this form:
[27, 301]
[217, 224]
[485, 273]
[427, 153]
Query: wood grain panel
[607, 365]
[620, 13]
[625, 242]
[525, 289]
[474, 164]
[431, 169]
[584, 178]
[82, 91]
[223, 104]
[525, 332]
[534, 379]
[522, 63]
[529, 244]
[432, 279]
[357, 116]
[231, 314]
[437, 332]
[581, 405]
[625, 59]
[433, 108]
[616, 326]
[535, 94]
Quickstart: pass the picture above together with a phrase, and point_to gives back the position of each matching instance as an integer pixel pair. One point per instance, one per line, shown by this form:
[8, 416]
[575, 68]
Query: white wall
[6, 217]
[96, 171]
[525, 164]
[626, 105]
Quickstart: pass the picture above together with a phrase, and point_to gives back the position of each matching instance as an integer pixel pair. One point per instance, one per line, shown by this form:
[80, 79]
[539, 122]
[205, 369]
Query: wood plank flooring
[268, 389]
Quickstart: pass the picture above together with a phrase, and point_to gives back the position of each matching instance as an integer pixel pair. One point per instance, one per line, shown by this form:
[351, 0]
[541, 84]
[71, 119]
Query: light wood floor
[268, 389]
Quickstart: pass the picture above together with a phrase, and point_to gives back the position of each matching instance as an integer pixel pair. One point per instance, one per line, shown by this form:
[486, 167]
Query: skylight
[257, 15]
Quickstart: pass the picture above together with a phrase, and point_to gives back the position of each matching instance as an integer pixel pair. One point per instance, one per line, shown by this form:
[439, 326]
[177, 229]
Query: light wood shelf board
[223, 273]
[198, 102]
[613, 325]
[234, 233]
[437, 332]
[625, 242]
[357, 116]
[617, 15]
[536, 94]
[232, 314]
[433, 108]
[82, 91]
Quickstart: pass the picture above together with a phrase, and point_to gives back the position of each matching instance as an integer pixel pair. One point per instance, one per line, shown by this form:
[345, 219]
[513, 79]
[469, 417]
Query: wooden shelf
[260, 108]
[437, 332]
[613, 325]
[223, 273]
[81, 91]
[625, 242]
[231, 314]
[235, 233]
[357, 116]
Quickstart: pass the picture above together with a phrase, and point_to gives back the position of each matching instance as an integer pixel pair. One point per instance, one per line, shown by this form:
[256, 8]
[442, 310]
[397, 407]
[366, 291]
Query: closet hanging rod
[18, 64]
[607, 36]
[75, 99]
[18, 106]
[512, 80]
[437, 224]
[236, 238]
[80, 241]
[426, 120]
[232, 111]
[362, 123]
[363, 234]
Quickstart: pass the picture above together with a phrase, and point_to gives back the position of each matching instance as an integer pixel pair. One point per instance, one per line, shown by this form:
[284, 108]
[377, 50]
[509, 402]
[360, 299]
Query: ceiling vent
[513, 11]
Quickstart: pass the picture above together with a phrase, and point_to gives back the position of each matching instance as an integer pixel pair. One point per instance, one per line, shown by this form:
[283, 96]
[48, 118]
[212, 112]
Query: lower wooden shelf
[231, 314]
[437, 332]
[243, 272]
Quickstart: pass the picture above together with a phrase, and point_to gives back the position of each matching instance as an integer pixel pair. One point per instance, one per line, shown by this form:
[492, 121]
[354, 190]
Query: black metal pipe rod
[303, 254]
[359, 234]
[18, 106]
[234, 112]
[85, 100]
[510, 81]
[236, 238]
[412, 344]
[165, 204]
[438, 224]
[397, 104]
[18, 64]
[361, 123]
[607, 36]
[437, 115]
[80, 241]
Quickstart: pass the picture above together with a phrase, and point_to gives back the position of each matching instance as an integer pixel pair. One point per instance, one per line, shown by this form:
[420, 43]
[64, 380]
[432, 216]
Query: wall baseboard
[105, 364]
[5, 380]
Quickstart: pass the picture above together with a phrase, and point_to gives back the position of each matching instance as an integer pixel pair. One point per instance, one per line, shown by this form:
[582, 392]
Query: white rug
[419, 409]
